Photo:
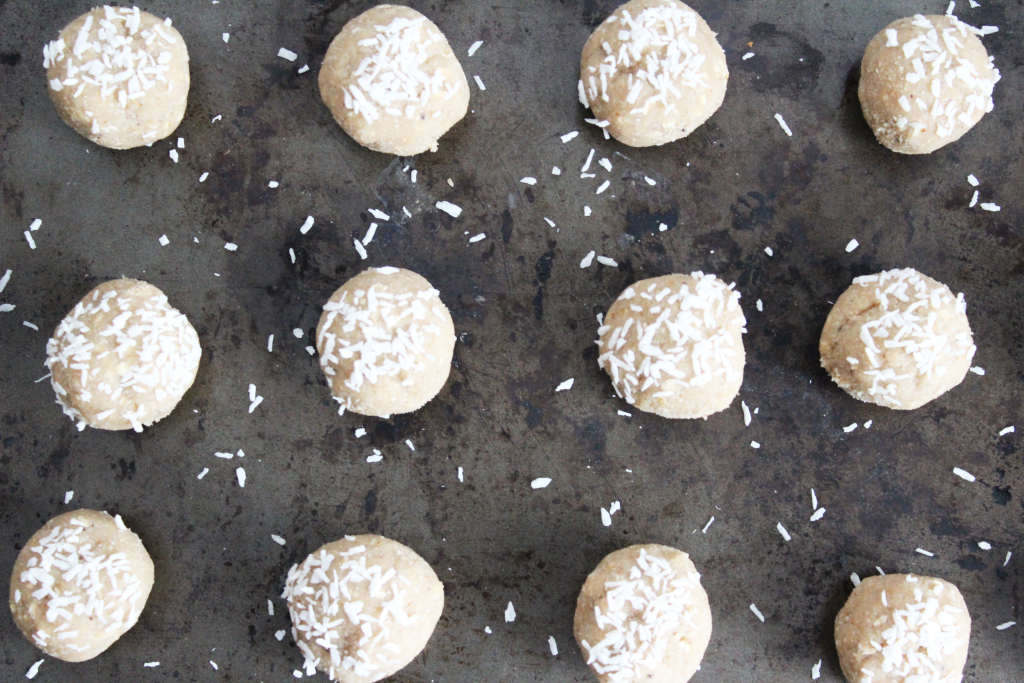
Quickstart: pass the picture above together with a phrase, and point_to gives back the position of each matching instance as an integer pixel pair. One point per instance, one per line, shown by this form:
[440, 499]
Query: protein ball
[362, 608]
[392, 81]
[643, 615]
[898, 339]
[119, 76]
[653, 71]
[900, 627]
[386, 342]
[924, 82]
[123, 357]
[79, 584]
[673, 345]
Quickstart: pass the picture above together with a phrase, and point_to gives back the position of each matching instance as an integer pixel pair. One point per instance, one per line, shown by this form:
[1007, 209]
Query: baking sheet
[525, 314]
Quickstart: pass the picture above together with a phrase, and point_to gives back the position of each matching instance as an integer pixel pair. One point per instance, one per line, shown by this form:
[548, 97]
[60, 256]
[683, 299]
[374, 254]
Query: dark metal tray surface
[525, 315]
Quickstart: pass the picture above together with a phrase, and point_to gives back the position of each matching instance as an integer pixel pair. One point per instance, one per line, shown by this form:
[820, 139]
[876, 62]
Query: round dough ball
[79, 584]
[924, 82]
[392, 81]
[374, 600]
[901, 628]
[123, 357]
[386, 342]
[673, 346]
[898, 339]
[651, 589]
[653, 71]
[119, 76]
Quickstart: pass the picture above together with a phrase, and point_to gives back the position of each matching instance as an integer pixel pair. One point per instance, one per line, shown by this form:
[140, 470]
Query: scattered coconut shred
[641, 614]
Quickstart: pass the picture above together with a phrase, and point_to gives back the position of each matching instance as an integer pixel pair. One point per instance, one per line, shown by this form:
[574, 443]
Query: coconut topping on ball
[933, 56]
[695, 321]
[656, 52]
[320, 600]
[909, 312]
[106, 588]
[113, 55]
[392, 79]
[641, 613]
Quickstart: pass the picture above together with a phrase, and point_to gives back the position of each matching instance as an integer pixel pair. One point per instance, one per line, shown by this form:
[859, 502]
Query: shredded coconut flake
[757, 612]
[240, 473]
[450, 209]
[569, 136]
[510, 613]
[924, 552]
[553, 646]
[477, 238]
[566, 385]
[851, 245]
[782, 124]
[782, 530]
[964, 474]
[285, 53]
[474, 47]
[1006, 430]
[540, 483]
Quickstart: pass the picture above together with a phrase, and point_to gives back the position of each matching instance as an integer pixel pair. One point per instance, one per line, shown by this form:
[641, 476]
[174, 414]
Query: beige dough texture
[924, 82]
[79, 584]
[362, 608]
[123, 357]
[673, 345]
[119, 76]
[386, 342]
[392, 81]
[903, 628]
[898, 339]
[652, 72]
[642, 615]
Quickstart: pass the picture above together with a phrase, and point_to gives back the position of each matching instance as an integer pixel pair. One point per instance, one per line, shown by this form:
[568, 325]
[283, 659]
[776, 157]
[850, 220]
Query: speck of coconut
[224, 455]
[30, 326]
[277, 539]
[203, 177]
[818, 514]
[1004, 626]
[1009, 554]
[68, 495]
[412, 176]
[586, 211]
[240, 473]
[474, 47]
[151, 665]
[569, 136]
[757, 612]
[964, 474]
[977, 370]
[782, 530]
[607, 261]
[606, 517]
[924, 552]
[449, 208]
[360, 249]
[163, 241]
[5, 279]
[748, 56]
[510, 613]
[255, 403]
[540, 483]
[603, 186]
[879, 569]
[816, 671]
[708, 525]
[566, 385]
[973, 180]
[376, 457]
[206, 470]
[850, 428]
[285, 53]
[768, 250]
[814, 500]
[7, 308]
[783, 125]
[528, 180]
[181, 143]
[225, 37]
[408, 442]
[556, 171]
[270, 343]
[650, 181]
[273, 184]
[303, 69]
[231, 246]
[623, 413]
[477, 238]
[216, 118]
[605, 164]
[1007, 430]
[174, 155]
[974, 200]
[310, 350]
[851, 245]
[754, 444]
[867, 425]
[34, 669]
[479, 82]
[270, 607]
[989, 206]
[984, 545]
[855, 579]
[28, 238]
[214, 665]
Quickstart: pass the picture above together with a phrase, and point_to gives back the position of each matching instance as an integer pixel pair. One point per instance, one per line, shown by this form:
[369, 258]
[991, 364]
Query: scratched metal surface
[525, 315]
